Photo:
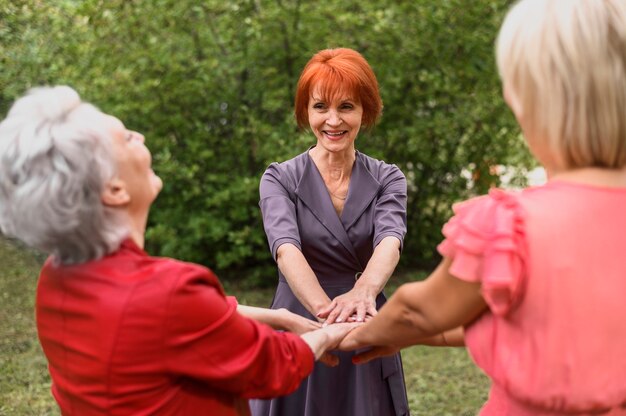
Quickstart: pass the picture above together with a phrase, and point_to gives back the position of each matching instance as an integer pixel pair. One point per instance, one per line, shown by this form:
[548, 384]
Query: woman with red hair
[335, 221]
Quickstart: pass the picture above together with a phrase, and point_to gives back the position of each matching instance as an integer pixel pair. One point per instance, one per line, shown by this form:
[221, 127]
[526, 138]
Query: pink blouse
[552, 264]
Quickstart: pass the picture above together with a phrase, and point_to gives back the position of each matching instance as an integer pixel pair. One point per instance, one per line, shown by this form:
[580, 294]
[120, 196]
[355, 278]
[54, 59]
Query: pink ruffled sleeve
[485, 239]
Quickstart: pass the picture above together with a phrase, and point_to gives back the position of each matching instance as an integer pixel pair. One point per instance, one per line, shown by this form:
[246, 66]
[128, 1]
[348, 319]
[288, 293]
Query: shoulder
[486, 241]
[481, 209]
[158, 274]
[181, 273]
[287, 172]
[379, 169]
[195, 297]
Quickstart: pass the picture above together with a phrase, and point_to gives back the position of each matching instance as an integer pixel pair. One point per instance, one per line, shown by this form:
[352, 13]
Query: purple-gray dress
[297, 209]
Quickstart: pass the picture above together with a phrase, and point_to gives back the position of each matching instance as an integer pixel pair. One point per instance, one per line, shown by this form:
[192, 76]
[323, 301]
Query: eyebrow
[343, 100]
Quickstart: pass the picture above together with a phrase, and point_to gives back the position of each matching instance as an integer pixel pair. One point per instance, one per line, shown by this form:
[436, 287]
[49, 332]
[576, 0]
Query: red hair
[339, 73]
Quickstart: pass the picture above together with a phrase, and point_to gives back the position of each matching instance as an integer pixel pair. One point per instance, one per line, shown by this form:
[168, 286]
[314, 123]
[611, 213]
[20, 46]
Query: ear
[115, 193]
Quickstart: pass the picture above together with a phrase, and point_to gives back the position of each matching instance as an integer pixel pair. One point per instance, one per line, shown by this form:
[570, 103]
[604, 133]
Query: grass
[440, 381]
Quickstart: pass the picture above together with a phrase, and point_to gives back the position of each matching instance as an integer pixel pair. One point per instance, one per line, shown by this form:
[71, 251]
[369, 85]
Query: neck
[334, 165]
[137, 225]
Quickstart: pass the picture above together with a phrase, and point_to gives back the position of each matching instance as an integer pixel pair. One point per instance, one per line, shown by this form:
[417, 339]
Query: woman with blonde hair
[536, 279]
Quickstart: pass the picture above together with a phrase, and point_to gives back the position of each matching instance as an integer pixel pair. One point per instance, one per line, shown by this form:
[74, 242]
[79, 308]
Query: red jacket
[131, 334]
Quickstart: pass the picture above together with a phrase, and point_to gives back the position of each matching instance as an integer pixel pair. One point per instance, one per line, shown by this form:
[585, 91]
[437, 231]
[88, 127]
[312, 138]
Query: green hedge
[211, 86]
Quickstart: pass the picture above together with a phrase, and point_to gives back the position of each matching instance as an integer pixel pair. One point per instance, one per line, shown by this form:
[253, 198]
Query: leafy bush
[211, 86]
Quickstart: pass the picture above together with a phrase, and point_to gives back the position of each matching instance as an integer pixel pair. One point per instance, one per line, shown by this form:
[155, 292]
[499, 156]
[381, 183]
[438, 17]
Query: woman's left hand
[353, 306]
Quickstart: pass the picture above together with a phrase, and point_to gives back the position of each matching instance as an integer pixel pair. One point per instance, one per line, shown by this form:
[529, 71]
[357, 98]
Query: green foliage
[25, 383]
[211, 86]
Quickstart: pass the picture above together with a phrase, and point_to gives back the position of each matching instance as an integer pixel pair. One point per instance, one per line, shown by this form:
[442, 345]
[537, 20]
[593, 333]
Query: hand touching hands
[353, 306]
[327, 338]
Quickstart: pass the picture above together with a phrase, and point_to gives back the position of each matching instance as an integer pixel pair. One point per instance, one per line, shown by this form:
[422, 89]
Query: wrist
[318, 341]
[319, 307]
[364, 286]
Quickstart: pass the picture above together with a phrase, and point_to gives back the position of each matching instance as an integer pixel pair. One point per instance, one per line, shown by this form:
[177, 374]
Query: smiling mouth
[334, 134]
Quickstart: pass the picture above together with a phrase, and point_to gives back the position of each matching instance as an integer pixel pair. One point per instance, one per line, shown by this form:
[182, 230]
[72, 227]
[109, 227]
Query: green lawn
[440, 381]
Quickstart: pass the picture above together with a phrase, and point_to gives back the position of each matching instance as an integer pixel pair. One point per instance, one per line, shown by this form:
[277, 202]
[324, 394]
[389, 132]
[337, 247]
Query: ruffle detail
[486, 242]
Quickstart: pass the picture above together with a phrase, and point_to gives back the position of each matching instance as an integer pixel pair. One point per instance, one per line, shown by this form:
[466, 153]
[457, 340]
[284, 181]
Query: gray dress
[297, 209]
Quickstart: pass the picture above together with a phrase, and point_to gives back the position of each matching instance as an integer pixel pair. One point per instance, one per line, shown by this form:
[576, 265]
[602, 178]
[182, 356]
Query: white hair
[54, 164]
[565, 60]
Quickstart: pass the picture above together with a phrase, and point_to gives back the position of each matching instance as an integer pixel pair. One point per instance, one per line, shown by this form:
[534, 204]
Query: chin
[157, 185]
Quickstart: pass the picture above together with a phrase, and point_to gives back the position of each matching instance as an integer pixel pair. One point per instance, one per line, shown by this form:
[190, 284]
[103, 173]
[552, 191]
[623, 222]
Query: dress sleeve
[390, 211]
[485, 239]
[207, 340]
[278, 210]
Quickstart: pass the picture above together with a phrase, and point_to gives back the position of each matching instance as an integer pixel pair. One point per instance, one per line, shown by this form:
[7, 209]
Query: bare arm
[452, 338]
[279, 319]
[361, 300]
[301, 278]
[421, 310]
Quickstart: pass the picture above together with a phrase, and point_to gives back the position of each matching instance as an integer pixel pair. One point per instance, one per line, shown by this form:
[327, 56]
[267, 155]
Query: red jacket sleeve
[206, 339]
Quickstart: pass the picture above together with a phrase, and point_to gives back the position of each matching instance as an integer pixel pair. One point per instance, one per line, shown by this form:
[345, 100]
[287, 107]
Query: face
[335, 123]
[134, 165]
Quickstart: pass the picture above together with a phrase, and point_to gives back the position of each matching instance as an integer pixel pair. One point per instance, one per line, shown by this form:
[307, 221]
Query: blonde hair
[54, 164]
[565, 61]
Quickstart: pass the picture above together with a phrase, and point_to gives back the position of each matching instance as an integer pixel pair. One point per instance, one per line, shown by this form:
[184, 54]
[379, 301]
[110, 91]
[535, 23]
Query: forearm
[272, 317]
[452, 338]
[281, 319]
[396, 324]
[380, 266]
[301, 278]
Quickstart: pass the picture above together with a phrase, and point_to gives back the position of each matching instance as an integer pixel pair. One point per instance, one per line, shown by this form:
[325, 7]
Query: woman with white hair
[537, 278]
[123, 332]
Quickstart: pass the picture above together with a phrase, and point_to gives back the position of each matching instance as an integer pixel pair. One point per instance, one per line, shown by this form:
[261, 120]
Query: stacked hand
[357, 305]
[326, 339]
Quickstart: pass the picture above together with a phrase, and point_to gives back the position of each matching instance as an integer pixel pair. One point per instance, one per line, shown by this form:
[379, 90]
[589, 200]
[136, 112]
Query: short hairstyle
[565, 60]
[339, 72]
[54, 164]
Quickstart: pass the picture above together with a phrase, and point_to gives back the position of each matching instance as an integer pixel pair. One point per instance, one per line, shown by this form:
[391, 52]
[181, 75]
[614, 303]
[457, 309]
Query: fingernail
[338, 320]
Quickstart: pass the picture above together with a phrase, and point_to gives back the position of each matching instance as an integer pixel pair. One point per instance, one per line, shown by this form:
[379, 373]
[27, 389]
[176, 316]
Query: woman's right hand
[327, 338]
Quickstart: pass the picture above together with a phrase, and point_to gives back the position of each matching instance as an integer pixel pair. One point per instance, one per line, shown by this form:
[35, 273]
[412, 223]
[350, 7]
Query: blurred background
[211, 85]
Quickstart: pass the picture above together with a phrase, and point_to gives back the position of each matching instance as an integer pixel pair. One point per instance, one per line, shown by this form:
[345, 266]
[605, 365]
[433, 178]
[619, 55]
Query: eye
[319, 106]
[347, 106]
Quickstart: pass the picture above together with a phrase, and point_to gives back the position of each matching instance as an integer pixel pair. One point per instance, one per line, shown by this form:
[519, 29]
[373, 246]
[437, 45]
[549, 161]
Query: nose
[333, 118]
[140, 137]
